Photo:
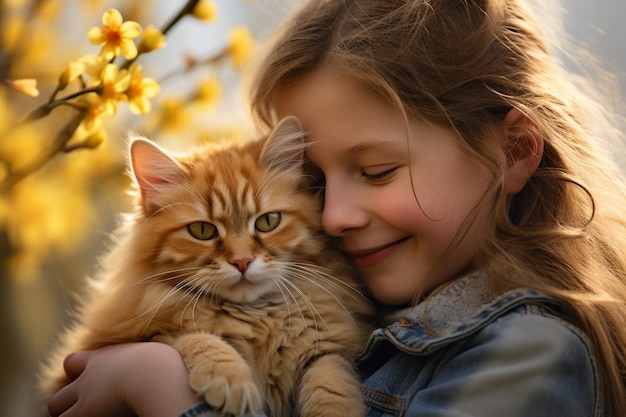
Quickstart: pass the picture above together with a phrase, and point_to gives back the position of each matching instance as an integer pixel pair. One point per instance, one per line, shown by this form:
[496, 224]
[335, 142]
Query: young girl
[463, 172]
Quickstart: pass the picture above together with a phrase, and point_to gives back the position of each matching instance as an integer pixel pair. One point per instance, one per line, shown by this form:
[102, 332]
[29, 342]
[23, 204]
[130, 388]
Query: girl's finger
[75, 363]
[62, 401]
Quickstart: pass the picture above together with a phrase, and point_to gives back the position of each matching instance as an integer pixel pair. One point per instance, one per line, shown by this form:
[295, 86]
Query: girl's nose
[342, 210]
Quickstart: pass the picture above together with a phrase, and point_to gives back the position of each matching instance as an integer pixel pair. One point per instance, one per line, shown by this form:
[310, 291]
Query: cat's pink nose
[242, 264]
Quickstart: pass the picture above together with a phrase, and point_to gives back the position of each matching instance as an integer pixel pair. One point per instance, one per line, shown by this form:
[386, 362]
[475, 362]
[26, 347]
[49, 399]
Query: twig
[62, 137]
[184, 11]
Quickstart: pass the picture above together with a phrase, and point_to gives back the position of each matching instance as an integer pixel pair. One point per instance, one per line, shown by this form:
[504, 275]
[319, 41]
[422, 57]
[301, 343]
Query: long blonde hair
[463, 65]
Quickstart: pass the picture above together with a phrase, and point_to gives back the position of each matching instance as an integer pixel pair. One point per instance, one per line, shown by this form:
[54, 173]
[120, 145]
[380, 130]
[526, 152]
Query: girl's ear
[523, 148]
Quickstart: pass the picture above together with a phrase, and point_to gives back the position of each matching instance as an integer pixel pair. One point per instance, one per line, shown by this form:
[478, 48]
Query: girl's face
[396, 202]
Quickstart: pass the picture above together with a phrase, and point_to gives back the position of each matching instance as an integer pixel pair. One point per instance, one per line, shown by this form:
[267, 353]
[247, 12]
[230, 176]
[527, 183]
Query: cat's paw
[232, 391]
[220, 375]
[331, 388]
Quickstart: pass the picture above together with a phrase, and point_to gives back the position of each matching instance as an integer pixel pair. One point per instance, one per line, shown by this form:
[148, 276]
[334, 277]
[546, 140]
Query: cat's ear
[284, 149]
[152, 167]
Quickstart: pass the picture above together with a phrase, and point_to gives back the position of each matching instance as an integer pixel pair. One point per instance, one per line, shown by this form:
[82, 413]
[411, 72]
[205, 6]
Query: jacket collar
[460, 309]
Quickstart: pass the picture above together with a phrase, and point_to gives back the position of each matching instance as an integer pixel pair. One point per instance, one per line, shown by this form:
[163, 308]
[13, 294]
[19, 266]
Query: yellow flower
[114, 85]
[87, 136]
[93, 112]
[241, 46]
[26, 86]
[94, 139]
[205, 10]
[141, 89]
[115, 35]
[72, 71]
[93, 66]
[209, 91]
[152, 39]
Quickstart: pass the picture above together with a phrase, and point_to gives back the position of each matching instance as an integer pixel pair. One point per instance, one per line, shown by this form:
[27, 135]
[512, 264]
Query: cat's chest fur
[310, 318]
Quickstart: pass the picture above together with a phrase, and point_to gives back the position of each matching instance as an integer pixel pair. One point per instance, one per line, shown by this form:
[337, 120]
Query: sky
[599, 26]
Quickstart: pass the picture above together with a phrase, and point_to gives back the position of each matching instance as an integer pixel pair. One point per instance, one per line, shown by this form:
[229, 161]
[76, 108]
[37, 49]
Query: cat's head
[227, 221]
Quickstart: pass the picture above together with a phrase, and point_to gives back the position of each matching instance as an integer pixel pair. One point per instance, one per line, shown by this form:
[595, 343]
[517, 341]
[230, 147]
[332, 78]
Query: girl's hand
[135, 379]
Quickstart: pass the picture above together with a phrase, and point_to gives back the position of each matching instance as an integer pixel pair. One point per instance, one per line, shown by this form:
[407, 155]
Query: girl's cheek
[406, 214]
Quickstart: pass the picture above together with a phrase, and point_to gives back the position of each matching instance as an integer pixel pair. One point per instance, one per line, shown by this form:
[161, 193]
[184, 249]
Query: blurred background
[62, 160]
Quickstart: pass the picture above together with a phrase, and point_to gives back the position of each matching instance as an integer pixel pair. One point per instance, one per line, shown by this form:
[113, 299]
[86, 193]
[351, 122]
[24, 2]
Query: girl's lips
[374, 256]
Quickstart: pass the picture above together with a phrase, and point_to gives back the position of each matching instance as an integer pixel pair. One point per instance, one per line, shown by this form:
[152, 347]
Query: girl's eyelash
[380, 176]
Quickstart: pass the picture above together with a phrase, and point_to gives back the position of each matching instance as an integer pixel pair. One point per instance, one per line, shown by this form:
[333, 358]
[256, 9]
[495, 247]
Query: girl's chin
[390, 297]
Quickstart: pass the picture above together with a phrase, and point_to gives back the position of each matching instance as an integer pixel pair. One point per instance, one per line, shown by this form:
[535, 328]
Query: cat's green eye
[202, 230]
[268, 221]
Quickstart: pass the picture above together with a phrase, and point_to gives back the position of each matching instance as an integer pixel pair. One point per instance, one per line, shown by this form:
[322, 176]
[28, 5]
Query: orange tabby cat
[224, 259]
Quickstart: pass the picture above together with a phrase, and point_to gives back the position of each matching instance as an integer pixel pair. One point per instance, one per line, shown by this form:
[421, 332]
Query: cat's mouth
[243, 284]
[248, 288]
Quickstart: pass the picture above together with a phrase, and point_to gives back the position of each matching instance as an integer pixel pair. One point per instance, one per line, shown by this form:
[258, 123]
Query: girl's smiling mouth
[371, 257]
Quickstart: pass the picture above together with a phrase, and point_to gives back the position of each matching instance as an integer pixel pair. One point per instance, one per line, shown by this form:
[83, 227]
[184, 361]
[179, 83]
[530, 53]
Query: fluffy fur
[224, 259]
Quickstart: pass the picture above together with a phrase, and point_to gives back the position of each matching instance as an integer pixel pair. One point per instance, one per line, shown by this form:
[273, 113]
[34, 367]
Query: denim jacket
[467, 352]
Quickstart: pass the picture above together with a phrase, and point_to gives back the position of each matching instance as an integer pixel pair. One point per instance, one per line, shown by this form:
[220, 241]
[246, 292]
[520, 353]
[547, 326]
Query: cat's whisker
[314, 312]
[183, 289]
[311, 307]
[178, 203]
[195, 195]
[315, 189]
[189, 287]
[180, 273]
[313, 272]
[259, 189]
[314, 277]
[279, 285]
[316, 272]
[157, 306]
[199, 292]
[266, 181]
[283, 283]
[193, 303]
[173, 290]
[207, 291]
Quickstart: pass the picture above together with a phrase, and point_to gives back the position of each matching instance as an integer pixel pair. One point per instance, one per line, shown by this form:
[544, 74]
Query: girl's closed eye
[379, 173]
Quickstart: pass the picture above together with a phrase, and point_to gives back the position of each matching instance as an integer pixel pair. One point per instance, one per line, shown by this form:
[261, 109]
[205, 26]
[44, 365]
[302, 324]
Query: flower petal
[150, 87]
[96, 36]
[152, 39]
[131, 30]
[26, 86]
[112, 18]
[128, 48]
[241, 46]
